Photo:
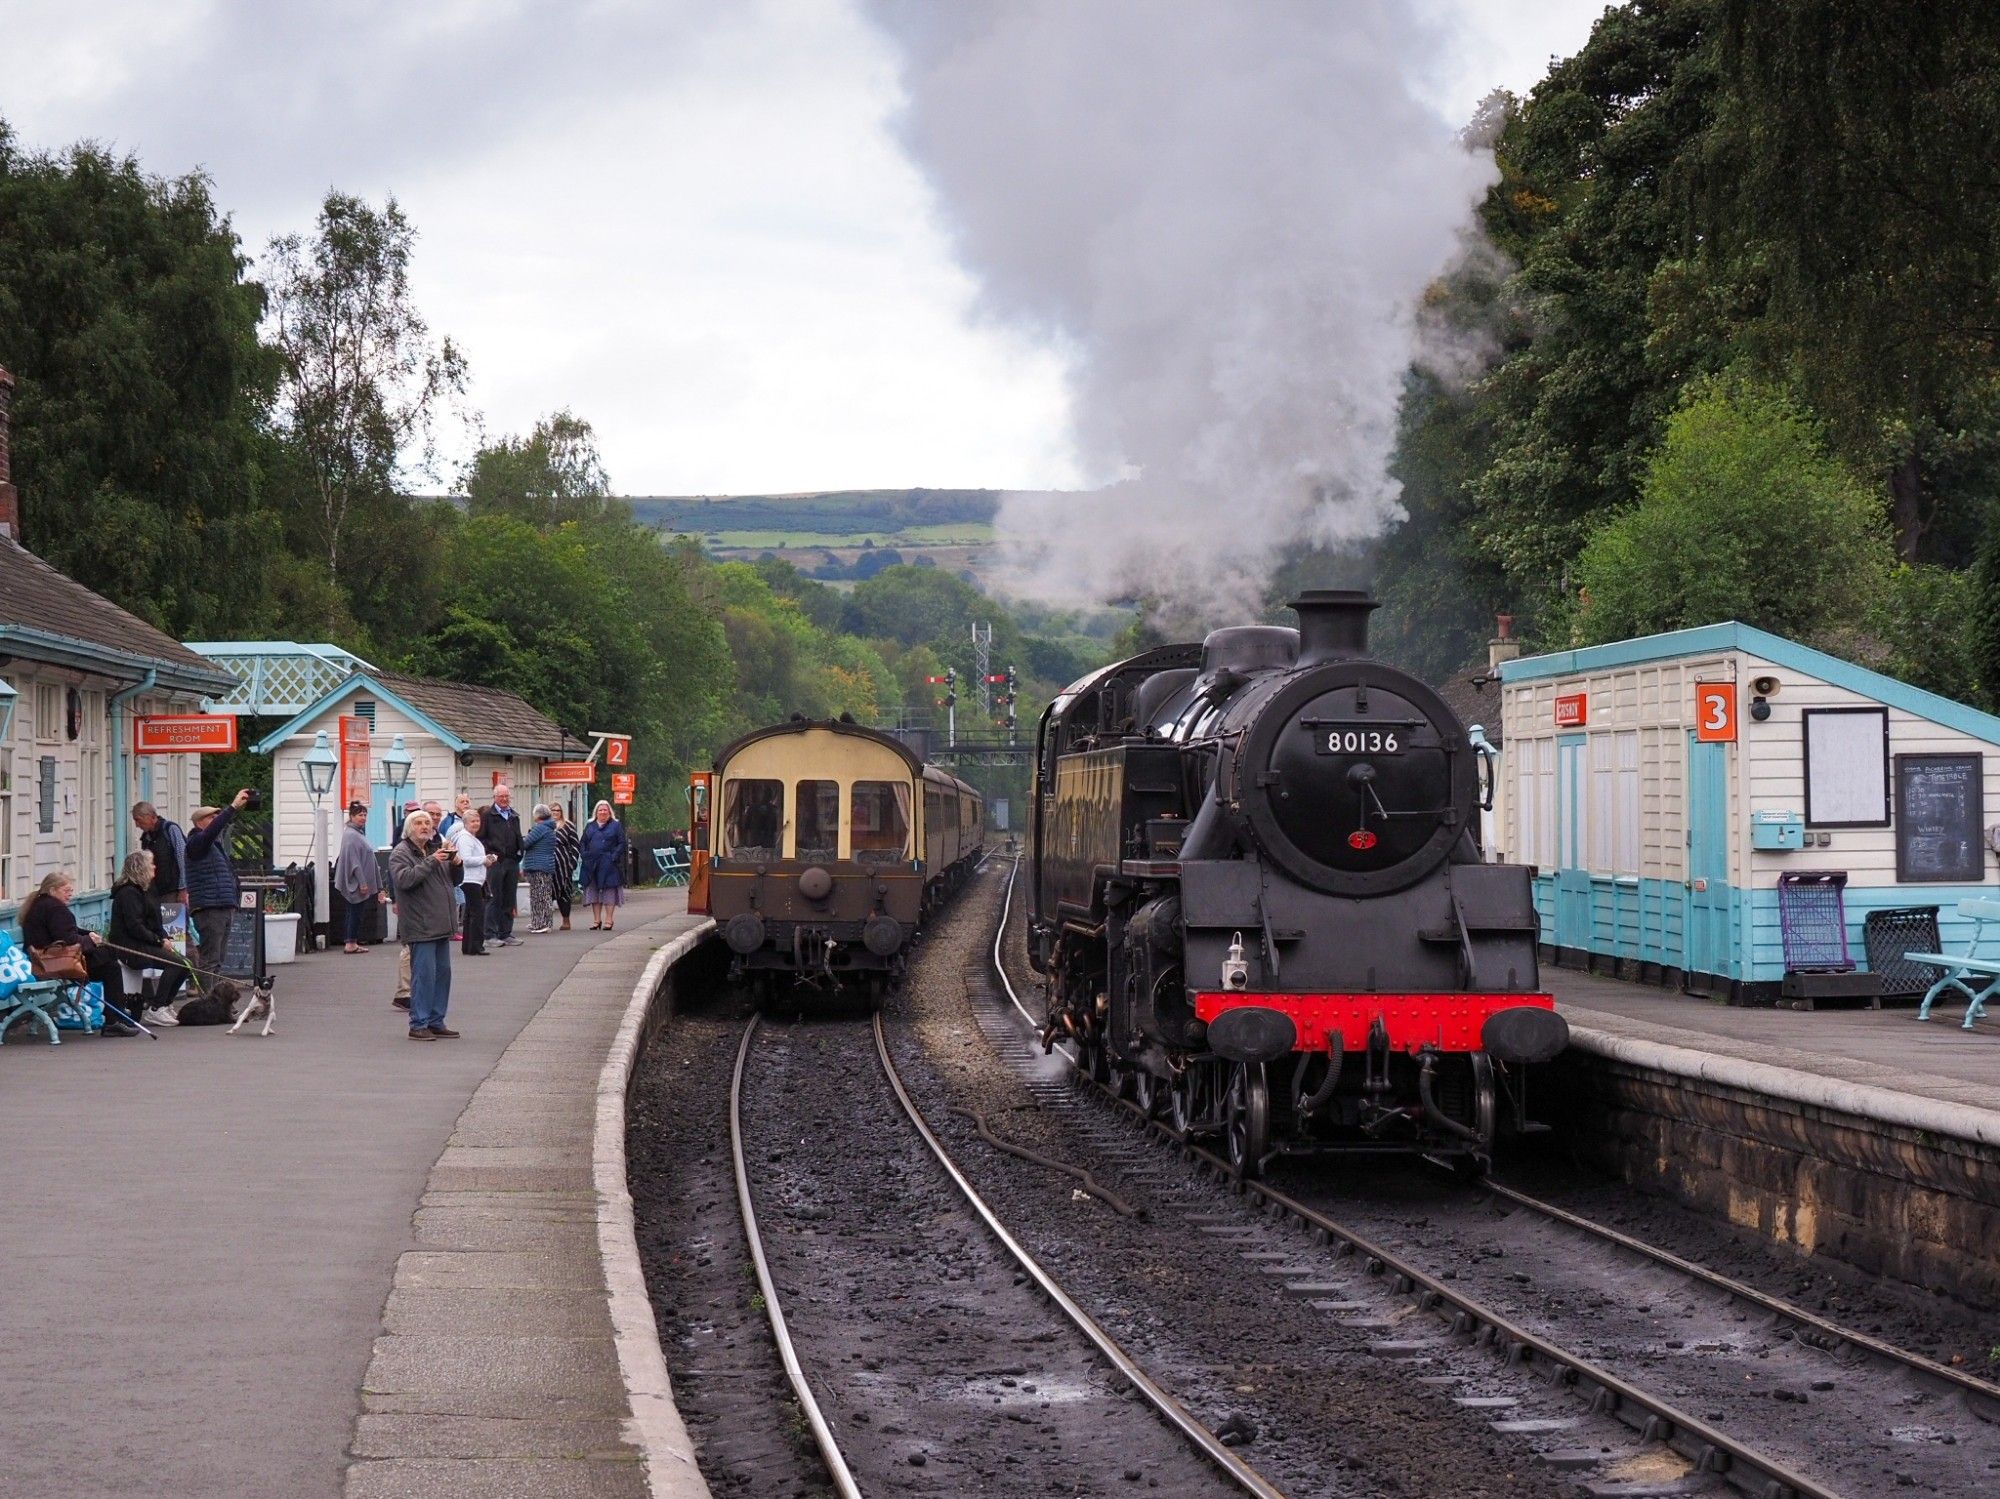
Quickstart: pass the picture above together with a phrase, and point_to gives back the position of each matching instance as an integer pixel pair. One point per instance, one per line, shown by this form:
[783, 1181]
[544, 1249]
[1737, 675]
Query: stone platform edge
[656, 1428]
[1859, 1100]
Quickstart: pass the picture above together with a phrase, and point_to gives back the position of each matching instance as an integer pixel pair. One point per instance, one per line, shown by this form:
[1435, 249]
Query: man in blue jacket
[211, 883]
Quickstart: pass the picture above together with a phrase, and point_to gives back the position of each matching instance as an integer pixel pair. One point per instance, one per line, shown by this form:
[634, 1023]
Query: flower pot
[281, 938]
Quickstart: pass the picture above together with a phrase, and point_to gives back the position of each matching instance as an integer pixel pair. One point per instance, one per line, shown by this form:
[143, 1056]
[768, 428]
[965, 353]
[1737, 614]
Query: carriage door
[1710, 931]
[1572, 845]
[699, 785]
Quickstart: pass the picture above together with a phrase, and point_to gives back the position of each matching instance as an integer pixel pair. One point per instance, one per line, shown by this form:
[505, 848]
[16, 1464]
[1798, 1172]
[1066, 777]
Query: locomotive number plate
[1360, 741]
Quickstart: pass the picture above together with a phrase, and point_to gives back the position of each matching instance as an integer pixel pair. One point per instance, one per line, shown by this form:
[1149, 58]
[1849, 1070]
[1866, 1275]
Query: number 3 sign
[1715, 712]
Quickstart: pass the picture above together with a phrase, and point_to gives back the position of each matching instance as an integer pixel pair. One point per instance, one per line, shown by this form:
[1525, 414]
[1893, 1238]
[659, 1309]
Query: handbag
[60, 960]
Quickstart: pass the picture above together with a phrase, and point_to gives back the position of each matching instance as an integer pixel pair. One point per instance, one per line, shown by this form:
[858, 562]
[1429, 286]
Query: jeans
[474, 941]
[503, 881]
[430, 982]
[211, 925]
[357, 915]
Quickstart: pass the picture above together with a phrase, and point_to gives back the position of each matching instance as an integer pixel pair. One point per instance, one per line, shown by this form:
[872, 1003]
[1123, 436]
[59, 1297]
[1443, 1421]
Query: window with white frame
[1614, 804]
[1537, 811]
[48, 712]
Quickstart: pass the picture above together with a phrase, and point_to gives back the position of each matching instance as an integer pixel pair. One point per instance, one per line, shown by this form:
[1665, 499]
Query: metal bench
[672, 866]
[34, 999]
[1962, 972]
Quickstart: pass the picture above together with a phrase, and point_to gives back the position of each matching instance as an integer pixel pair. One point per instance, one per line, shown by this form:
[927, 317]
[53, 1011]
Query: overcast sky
[689, 221]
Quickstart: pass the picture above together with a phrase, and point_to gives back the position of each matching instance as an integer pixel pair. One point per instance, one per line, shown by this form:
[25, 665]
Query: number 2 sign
[1715, 712]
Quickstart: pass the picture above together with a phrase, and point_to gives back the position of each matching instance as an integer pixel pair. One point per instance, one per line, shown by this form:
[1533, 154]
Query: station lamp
[396, 767]
[317, 768]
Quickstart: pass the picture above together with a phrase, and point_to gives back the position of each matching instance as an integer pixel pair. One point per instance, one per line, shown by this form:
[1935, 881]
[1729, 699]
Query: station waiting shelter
[1673, 792]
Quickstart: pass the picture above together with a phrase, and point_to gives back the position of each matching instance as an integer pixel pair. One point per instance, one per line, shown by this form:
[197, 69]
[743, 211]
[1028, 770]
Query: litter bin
[1887, 935]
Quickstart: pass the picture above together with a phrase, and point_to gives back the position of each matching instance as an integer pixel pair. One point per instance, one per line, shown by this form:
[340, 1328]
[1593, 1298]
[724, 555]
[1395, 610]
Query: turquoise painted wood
[1711, 925]
[1576, 925]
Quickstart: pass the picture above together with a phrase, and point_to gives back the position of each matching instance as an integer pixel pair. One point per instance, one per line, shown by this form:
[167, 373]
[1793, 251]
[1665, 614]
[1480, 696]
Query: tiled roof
[35, 596]
[1473, 693]
[479, 715]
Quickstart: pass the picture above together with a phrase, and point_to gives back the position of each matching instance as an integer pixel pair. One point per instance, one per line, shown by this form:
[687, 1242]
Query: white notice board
[1847, 767]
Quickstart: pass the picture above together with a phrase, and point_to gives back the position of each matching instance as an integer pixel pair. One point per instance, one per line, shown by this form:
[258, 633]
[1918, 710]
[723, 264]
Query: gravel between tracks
[1333, 1403]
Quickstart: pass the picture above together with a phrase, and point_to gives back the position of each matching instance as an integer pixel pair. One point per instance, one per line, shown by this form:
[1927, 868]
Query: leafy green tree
[132, 334]
[1744, 515]
[1851, 161]
[552, 475]
[362, 382]
[1982, 618]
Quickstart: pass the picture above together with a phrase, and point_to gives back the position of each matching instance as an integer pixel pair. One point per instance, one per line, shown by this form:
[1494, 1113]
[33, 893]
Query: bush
[1743, 515]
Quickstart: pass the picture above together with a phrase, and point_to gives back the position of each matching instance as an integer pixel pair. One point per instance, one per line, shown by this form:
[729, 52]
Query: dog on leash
[263, 1001]
[215, 1007]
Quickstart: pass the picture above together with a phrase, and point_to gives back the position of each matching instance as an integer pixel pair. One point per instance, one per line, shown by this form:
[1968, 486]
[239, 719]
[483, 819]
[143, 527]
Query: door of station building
[1572, 845]
[1710, 934]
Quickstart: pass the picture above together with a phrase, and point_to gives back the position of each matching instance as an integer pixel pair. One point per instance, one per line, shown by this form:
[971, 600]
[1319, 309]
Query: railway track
[1709, 1445]
[975, 1217]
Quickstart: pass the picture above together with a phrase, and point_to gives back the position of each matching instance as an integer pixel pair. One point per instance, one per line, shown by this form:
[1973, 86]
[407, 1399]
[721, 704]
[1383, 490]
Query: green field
[942, 534]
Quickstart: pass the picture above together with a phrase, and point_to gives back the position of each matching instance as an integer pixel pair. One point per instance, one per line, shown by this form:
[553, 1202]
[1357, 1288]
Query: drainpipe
[121, 778]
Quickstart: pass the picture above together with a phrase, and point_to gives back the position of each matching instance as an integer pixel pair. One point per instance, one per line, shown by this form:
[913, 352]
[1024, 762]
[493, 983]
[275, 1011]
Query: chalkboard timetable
[239, 954]
[1940, 817]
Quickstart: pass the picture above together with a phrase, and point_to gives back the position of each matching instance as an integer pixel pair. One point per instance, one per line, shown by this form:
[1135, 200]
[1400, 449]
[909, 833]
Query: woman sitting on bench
[138, 937]
[46, 921]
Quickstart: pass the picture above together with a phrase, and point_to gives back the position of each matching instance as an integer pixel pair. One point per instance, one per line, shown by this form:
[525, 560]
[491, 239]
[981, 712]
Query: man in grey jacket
[421, 877]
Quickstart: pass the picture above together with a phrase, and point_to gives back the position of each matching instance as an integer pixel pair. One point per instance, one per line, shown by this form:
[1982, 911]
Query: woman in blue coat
[603, 867]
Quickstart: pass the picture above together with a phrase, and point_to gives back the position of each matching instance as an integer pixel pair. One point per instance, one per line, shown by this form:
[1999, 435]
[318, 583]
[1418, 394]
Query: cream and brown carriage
[827, 846]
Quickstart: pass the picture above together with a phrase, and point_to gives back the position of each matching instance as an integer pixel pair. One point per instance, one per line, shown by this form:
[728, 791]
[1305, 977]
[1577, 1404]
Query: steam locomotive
[1259, 904]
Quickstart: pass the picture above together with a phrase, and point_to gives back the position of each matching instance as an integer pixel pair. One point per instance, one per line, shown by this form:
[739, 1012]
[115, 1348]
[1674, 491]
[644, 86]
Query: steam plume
[1228, 211]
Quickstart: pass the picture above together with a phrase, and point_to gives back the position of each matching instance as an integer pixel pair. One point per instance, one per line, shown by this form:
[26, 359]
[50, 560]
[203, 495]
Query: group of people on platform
[452, 876]
[455, 876]
[170, 867]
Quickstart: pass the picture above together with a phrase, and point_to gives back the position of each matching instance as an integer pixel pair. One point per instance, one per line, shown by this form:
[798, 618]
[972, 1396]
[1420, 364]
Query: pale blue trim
[1733, 636]
[270, 742]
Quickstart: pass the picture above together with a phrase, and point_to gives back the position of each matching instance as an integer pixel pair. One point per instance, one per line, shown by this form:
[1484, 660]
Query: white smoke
[1229, 212]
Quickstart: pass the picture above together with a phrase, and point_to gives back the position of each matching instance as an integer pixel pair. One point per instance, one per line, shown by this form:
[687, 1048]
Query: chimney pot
[1503, 646]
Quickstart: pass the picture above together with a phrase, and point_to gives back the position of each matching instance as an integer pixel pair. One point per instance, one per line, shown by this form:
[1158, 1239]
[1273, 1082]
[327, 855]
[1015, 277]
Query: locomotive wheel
[1246, 1114]
[1191, 1098]
[1148, 1092]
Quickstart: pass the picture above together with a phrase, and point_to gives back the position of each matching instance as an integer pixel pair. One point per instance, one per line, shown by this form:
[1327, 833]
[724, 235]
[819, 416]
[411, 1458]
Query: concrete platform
[1865, 1135]
[329, 1261]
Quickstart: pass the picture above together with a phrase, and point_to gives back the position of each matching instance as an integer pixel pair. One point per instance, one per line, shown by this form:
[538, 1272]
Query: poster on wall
[1940, 814]
[1846, 767]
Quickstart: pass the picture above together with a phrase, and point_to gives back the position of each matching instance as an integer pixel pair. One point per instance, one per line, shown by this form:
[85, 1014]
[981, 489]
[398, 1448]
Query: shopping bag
[81, 1008]
[15, 968]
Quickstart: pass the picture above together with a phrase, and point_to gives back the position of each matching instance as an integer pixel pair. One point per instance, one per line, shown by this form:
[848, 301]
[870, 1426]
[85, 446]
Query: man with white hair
[500, 831]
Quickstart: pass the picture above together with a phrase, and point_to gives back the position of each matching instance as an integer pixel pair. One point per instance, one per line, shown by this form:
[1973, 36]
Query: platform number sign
[1715, 712]
[618, 752]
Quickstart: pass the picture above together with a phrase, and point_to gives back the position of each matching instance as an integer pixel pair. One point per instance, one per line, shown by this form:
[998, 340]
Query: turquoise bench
[1965, 970]
[34, 1000]
[673, 867]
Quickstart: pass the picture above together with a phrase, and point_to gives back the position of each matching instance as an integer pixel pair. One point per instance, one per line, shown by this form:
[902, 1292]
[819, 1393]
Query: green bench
[1966, 970]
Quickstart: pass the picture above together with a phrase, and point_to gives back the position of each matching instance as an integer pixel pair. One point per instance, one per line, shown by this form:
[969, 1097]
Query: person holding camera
[211, 883]
[421, 875]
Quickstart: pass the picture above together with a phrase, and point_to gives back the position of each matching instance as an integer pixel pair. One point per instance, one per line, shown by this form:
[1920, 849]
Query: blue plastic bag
[80, 1009]
[15, 967]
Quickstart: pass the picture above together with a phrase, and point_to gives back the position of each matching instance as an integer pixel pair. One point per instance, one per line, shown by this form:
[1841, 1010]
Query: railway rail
[840, 1470]
[1706, 1445]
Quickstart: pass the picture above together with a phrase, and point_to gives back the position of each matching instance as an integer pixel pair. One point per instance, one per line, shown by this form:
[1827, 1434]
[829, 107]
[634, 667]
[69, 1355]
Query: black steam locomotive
[1260, 905]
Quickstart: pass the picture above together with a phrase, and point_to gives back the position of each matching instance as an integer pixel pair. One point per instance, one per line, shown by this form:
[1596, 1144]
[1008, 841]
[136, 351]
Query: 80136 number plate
[1357, 739]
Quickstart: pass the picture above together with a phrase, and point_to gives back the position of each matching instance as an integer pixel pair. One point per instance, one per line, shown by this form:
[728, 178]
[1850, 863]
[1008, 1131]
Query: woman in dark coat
[47, 921]
[139, 939]
[603, 867]
[569, 848]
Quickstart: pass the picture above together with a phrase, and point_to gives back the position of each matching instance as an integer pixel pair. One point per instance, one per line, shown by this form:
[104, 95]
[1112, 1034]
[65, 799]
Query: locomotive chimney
[1333, 624]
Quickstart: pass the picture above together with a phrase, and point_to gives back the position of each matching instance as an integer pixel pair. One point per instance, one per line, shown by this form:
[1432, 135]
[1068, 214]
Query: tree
[362, 382]
[1852, 162]
[552, 475]
[127, 323]
[1744, 515]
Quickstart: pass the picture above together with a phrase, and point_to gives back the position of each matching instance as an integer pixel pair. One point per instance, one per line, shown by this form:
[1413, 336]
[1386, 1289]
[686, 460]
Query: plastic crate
[1812, 918]
[1887, 935]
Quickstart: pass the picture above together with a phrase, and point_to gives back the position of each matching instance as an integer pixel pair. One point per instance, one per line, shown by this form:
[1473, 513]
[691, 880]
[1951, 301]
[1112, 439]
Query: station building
[1660, 788]
[458, 737]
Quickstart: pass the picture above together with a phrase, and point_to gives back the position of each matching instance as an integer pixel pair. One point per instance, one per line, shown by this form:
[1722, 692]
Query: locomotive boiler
[1259, 903]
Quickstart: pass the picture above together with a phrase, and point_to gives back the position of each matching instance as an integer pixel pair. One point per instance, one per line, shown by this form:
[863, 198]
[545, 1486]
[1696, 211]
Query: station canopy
[276, 678]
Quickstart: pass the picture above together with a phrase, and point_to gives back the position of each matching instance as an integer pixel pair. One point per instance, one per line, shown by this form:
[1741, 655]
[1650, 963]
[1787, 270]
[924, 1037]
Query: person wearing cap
[211, 882]
[354, 873]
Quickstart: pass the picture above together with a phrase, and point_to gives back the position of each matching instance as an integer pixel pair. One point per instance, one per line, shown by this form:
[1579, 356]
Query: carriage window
[817, 813]
[753, 819]
[879, 821]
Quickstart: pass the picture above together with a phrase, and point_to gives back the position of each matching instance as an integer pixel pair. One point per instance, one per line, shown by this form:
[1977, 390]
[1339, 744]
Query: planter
[281, 938]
